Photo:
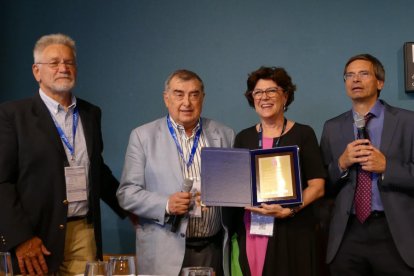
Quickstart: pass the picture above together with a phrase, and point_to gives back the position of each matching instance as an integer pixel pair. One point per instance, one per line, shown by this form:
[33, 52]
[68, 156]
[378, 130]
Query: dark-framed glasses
[363, 75]
[55, 64]
[270, 92]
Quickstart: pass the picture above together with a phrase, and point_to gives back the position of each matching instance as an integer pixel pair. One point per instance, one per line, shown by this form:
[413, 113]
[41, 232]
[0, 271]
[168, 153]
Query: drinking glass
[95, 268]
[6, 268]
[197, 271]
[122, 265]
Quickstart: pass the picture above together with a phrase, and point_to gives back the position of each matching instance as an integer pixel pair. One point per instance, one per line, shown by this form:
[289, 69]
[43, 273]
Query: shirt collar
[376, 110]
[181, 129]
[53, 106]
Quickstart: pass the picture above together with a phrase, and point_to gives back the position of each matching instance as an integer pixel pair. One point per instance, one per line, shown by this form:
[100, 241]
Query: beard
[63, 87]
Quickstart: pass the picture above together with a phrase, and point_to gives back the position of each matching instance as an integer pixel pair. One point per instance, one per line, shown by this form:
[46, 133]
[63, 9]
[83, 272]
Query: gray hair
[50, 39]
[185, 75]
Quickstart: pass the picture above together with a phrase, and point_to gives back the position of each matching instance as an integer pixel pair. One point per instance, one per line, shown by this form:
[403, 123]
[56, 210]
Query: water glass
[96, 268]
[122, 265]
[197, 271]
[6, 268]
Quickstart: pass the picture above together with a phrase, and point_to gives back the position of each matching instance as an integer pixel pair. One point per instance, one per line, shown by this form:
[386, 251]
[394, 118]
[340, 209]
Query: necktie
[363, 196]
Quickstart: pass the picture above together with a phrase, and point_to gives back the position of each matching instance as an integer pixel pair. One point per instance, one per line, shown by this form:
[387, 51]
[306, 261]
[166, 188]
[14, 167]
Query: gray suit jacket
[151, 174]
[396, 185]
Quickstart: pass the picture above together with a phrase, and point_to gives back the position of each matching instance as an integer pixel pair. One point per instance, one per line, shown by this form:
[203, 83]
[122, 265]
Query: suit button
[61, 226]
[182, 235]
[66, 202]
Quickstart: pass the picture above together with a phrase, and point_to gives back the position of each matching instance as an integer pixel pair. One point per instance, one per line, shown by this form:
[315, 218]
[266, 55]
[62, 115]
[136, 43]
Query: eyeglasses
[270, 92]
[363, 75]
[55, 64]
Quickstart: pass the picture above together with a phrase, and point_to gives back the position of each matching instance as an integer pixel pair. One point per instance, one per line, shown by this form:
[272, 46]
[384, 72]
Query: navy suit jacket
[396, 185]
[32, 181]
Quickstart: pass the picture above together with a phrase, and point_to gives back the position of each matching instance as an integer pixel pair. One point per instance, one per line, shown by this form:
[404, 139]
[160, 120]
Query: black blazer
[396, 186]
[32, 182]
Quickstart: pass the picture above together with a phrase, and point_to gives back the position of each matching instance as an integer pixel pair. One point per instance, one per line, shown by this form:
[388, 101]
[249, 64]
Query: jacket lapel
[347, 135]
[43, 121]
[210, 134]
[87, 125]
[347, 129]
[172, 158]
[388, 130]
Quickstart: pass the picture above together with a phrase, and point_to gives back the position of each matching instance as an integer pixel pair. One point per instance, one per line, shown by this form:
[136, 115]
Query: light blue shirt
[65, 120]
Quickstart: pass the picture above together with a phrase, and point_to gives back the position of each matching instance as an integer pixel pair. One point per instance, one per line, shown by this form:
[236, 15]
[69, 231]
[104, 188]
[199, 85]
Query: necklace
[275, 144]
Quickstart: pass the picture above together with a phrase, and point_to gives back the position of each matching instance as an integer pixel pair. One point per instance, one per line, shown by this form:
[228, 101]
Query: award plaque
[276, 176]
[242, 177]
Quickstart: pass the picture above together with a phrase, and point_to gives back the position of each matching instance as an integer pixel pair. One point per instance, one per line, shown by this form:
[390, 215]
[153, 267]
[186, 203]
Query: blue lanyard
[275, 144]
[180, 150]
[74, 127]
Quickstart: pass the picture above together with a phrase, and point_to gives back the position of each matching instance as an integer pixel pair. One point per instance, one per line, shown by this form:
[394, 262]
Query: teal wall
[127, 48]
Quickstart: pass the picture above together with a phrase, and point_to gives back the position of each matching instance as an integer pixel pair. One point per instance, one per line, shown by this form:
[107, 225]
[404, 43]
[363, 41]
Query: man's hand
[374, 161]
[178, 203]
[361, 151]
[355, 152]
[30, 257]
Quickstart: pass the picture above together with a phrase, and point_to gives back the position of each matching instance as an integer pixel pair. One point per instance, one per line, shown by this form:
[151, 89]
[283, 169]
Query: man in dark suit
[371, 172]
[52, 175]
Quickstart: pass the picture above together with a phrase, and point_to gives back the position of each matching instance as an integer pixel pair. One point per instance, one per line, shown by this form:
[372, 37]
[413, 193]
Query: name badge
[261, 225]
[195, 208]
[76, 189]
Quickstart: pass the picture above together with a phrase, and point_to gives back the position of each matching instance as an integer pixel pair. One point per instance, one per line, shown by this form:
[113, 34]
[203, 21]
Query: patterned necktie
[363, 195]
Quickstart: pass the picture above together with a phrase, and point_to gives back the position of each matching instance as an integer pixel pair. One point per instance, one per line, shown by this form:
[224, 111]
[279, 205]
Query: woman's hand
[274, 210]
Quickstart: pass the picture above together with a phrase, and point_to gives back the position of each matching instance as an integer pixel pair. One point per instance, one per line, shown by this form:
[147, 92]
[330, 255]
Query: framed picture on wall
[409, 66]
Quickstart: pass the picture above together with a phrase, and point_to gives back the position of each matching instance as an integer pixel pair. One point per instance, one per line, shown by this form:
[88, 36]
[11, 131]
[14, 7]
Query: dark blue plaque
[242, 177]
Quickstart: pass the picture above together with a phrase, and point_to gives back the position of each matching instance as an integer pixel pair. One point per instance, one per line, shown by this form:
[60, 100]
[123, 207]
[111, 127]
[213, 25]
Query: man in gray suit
[161, 156]
[371, 172]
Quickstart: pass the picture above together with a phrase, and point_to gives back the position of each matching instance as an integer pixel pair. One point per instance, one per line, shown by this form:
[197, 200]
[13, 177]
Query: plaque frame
[294, 183]
[228, 176]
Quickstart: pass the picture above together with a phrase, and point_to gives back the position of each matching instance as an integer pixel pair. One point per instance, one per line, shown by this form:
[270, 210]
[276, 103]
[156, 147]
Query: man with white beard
[52, 174]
